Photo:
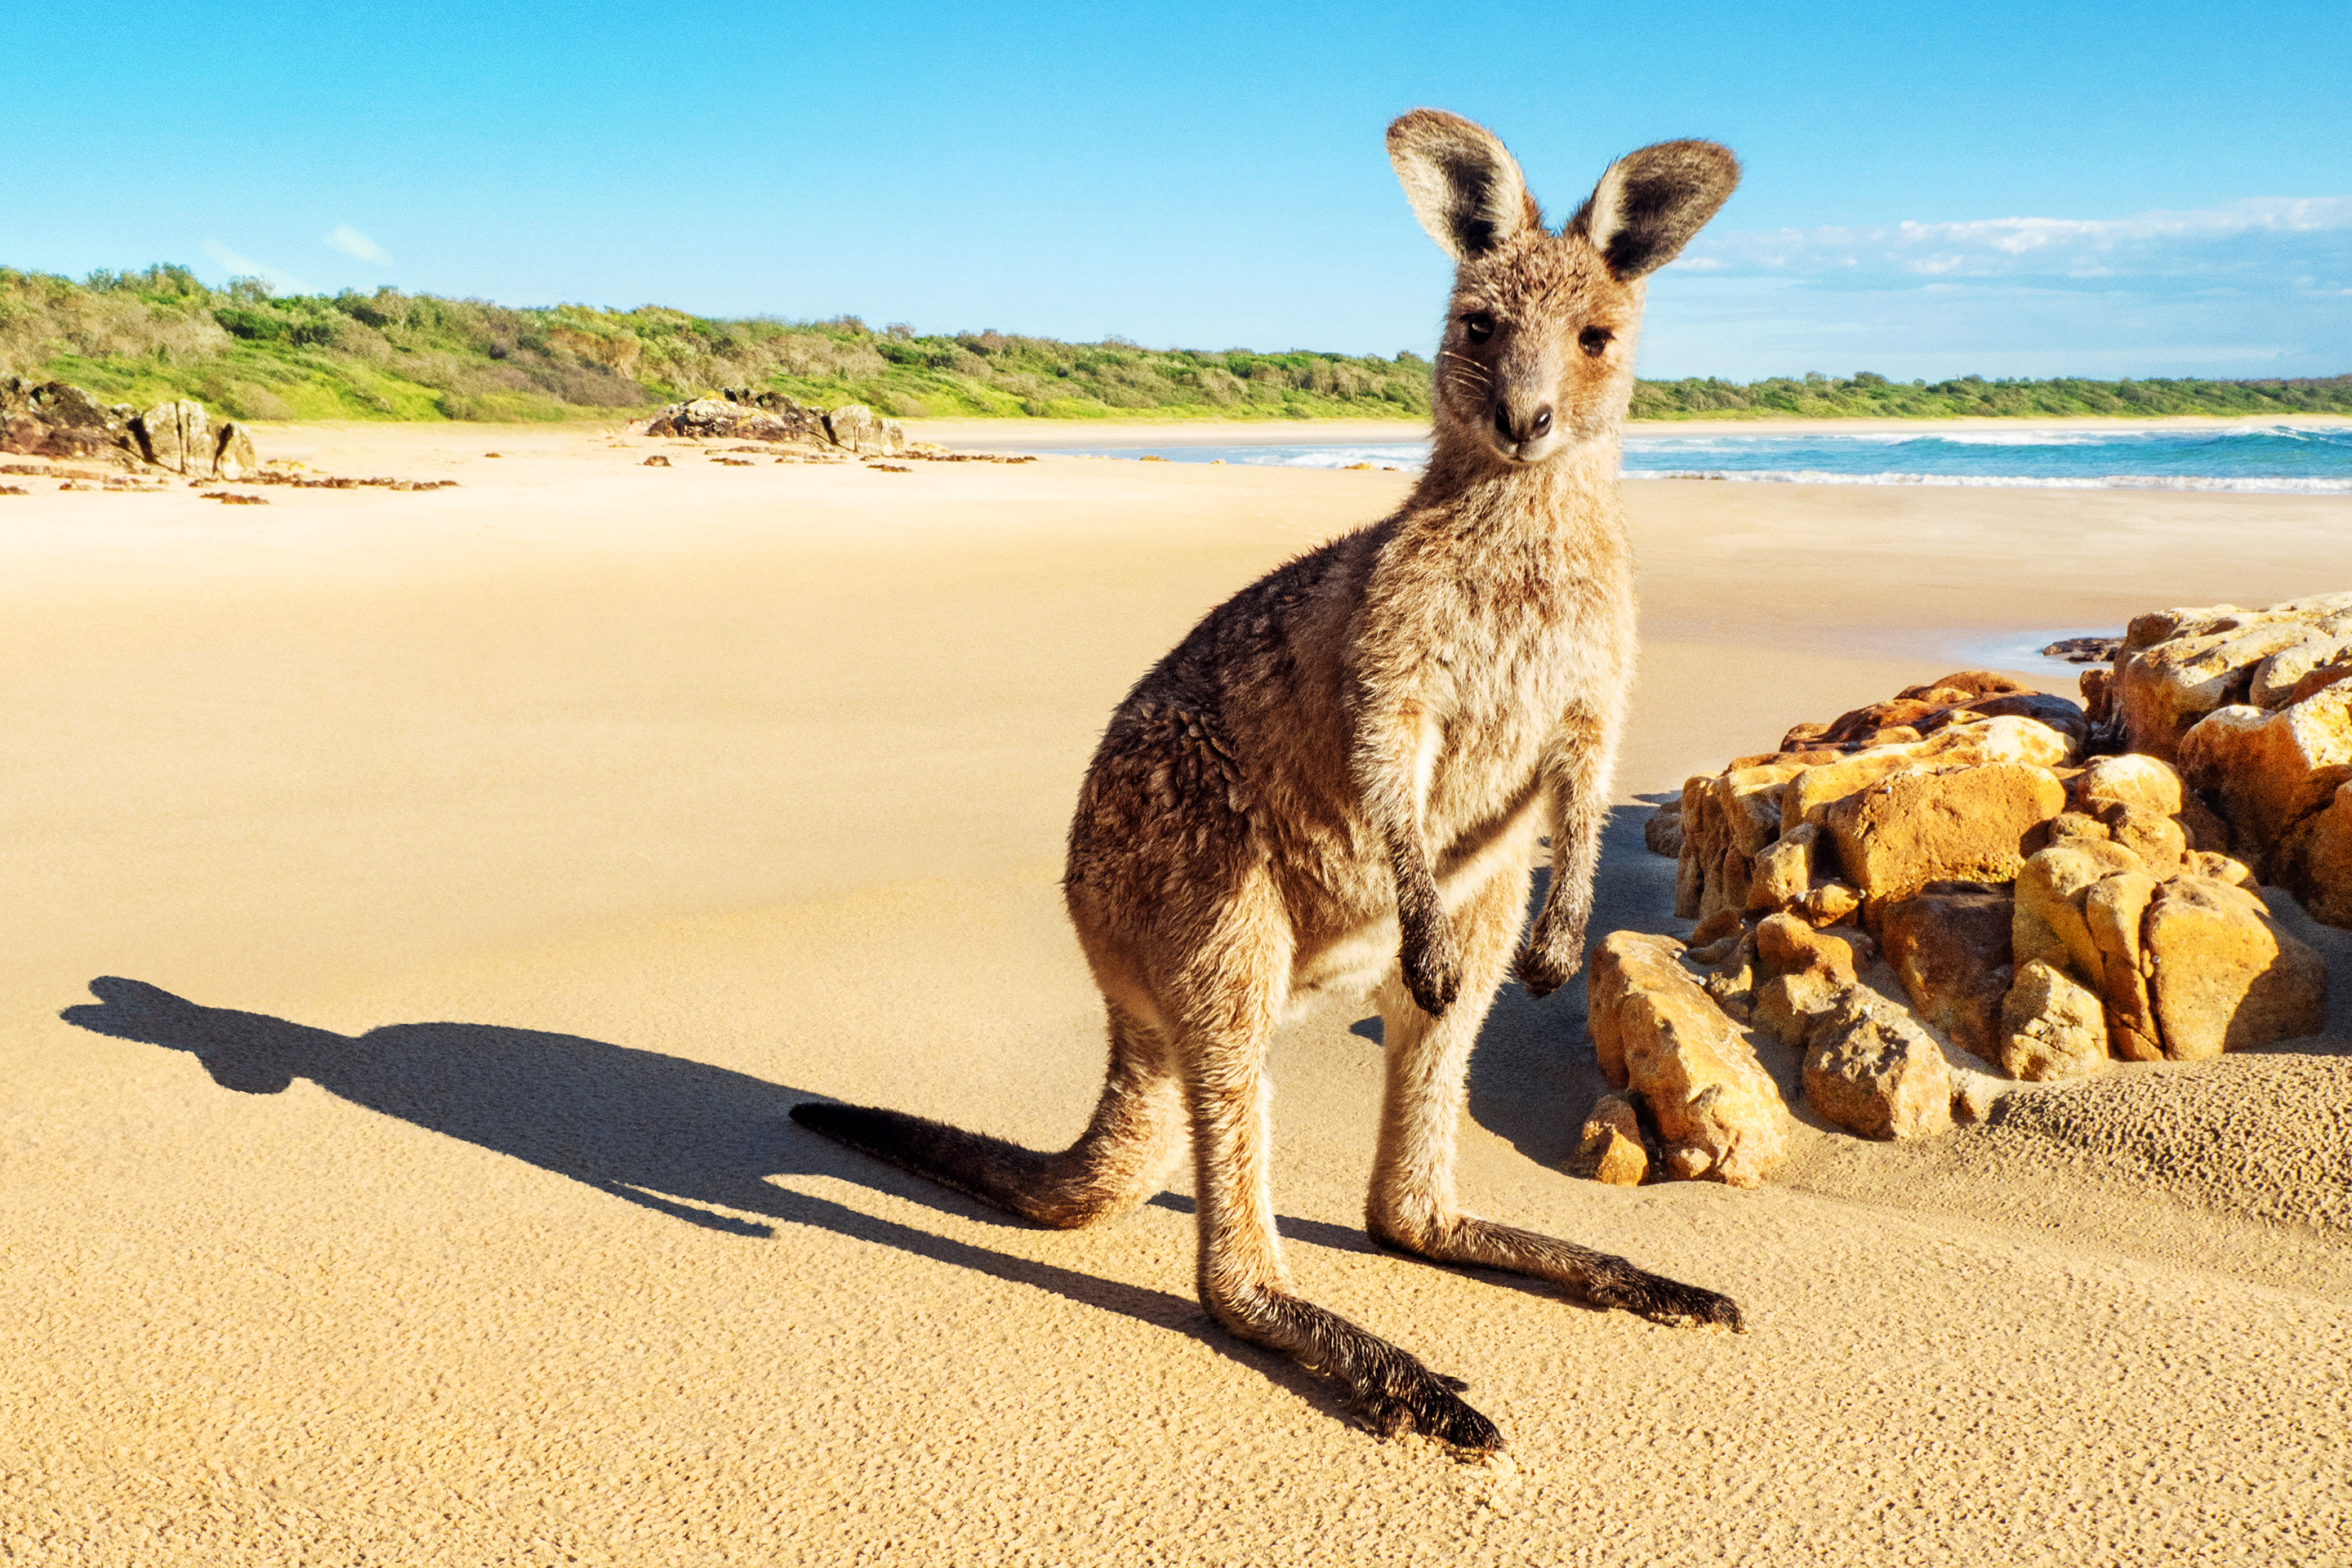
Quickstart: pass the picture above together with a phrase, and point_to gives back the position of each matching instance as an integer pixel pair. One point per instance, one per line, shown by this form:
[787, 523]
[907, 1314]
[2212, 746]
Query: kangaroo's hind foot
[1598, 1279]
[1390, 1387]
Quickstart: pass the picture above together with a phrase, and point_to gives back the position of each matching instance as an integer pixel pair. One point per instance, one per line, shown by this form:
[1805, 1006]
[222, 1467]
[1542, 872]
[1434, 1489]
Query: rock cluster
[2255, 708]
[740, 414]
[1974, 882]
[53, 419]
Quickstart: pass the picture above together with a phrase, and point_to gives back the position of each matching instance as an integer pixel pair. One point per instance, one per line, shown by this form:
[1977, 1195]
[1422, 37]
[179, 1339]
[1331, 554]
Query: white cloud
[245, 266]
[2274, 238]
[352, 242]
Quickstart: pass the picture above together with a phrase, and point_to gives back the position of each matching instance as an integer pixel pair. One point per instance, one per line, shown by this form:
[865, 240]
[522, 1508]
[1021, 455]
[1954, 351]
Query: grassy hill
[141, 337]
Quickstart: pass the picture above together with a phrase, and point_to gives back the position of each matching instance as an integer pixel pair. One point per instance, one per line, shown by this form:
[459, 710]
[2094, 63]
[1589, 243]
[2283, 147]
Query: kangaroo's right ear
[1465, 189]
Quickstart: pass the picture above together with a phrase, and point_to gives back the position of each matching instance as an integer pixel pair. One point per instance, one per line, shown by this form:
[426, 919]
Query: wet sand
[445, 893]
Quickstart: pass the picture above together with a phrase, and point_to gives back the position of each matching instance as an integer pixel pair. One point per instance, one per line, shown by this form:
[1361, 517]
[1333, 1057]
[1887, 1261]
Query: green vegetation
[141, 337]
[144, 336]
[1866, 395]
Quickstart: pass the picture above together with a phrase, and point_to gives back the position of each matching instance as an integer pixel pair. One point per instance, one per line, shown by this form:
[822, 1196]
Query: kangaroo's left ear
[1649, 203]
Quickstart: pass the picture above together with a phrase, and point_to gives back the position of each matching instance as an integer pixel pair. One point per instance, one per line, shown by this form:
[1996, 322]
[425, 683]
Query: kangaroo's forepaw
[1433, 975]
[1425, 1403]
[1543, 970]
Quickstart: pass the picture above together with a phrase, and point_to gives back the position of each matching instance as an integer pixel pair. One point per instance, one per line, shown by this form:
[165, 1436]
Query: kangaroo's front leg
[1412, 1205]
[1578, 761]
[1397, 746]
[1222, 1041]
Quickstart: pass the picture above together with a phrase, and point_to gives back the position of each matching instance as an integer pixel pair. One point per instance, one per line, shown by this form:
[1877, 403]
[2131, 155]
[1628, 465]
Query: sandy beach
[428, 903]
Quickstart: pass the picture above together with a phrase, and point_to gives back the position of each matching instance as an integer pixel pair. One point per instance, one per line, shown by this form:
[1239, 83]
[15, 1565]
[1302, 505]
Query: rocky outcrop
[54, 419]
[1884, 819]
[2175, 666]
[742, 414]
[1656, 1033]
[2045, 903]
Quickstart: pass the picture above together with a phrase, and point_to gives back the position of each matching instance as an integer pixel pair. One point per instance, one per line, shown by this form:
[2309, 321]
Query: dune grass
[141, 337]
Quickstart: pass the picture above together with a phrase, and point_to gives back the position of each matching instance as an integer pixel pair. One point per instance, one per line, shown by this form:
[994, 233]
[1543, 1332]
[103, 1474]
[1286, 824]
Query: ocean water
[2280, 459]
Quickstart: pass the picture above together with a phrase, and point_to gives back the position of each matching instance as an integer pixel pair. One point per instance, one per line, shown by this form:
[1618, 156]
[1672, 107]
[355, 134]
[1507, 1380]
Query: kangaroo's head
[1538, 355]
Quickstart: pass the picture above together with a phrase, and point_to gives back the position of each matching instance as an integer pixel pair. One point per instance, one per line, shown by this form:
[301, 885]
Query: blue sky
[1934, 190]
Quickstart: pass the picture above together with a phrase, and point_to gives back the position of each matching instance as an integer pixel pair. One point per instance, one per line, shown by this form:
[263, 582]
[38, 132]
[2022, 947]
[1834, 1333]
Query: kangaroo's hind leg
[1413, 1205]
[1116, 1163]
[1223, 1011]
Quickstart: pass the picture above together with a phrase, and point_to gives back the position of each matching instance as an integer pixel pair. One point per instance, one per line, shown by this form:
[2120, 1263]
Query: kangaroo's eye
[1478, 326]
[1592, 339]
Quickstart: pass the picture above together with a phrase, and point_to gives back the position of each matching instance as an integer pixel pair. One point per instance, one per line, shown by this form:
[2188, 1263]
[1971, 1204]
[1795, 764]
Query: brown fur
[1336, 783]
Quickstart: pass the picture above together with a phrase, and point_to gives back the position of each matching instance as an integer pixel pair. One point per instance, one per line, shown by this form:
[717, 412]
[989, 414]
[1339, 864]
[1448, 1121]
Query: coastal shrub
[161, 333]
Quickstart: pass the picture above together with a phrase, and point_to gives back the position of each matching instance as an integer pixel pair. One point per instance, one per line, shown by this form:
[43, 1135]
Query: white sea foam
[2001, 481]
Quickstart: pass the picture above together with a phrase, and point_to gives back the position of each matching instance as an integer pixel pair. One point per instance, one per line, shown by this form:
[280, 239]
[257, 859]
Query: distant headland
[160, 334]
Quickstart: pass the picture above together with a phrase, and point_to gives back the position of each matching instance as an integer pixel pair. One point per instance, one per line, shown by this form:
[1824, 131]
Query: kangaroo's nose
[1536, 427]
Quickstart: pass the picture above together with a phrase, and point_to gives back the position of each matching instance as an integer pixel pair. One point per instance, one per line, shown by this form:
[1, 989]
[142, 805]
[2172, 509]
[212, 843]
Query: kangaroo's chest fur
[1462, 633]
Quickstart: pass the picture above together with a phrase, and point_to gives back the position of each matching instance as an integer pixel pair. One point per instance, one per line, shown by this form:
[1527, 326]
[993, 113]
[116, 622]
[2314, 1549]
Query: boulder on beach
[2052, 1026]
[1949, 944]
[1718, 1113]
[2047, 903]
[1611, 1149]
[742, 414]
[55, 419]
[2224, 975]
[1870, 1069]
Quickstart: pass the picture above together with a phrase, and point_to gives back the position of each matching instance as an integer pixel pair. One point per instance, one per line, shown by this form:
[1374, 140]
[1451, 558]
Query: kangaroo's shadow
[682, 1137]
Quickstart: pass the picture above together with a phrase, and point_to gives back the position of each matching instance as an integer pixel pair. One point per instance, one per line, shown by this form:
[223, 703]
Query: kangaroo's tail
[1020, 1181]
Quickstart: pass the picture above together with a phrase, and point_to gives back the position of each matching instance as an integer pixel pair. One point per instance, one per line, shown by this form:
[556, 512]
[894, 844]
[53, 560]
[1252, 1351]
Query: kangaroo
[1335, 785]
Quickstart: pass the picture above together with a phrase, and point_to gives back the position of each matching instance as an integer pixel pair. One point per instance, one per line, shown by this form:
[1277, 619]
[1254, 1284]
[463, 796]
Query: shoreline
[1005, 434]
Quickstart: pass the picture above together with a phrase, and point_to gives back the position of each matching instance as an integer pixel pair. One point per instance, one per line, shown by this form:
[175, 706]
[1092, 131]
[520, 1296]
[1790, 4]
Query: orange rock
[1625, 963]
[2097, 687]
[2276, 678]
[2267, 771]
[1727, 820]
[2070, 825]
[1871, 1071]
[2158, 840]
[2048, 924]
[2321, 678]
[1717, 926]
[1832, 903]
[1808, 796]
[2128, 780]
[1783, 871]
[2223, 976]
[2164, 690]
[2222, 868]
[2114, 910]
[1611, 1149]
[1974, 824]
[2052, 1026]
[1662, 832]
[1718, 1113]
[2316, 860]
[1951, 951]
